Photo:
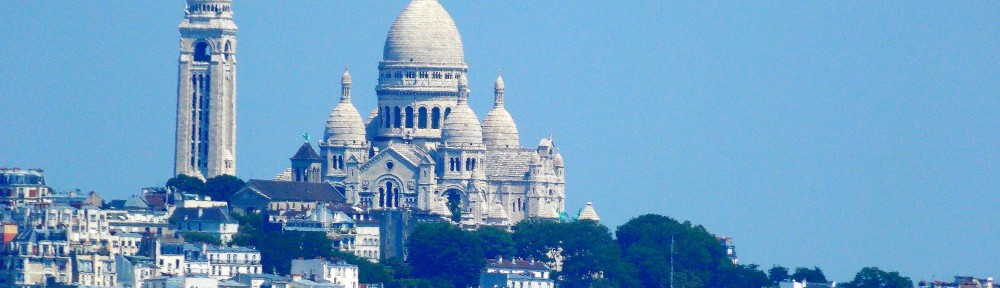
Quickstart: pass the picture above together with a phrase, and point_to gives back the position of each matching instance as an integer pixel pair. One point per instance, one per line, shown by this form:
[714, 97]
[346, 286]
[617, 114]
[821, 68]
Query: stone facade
[423, 148]
[206, 91]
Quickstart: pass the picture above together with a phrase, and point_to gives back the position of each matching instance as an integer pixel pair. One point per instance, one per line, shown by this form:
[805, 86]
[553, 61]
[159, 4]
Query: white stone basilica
[423, 148]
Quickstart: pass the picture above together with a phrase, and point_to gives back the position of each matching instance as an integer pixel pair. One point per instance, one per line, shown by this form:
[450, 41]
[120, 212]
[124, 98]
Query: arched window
[422, 118]
[436, 118]
[202, 53]
[447, 111]
[397, 117]
[409, 117]
[388, 117]
[229, 49]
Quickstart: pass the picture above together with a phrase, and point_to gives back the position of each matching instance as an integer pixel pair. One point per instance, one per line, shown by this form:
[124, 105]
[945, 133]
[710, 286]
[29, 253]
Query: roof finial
[498, 88]
[305, 137]
[463, 89]
[345, 86]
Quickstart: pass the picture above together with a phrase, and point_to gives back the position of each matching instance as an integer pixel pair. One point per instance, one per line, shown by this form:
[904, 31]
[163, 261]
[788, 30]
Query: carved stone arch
[389, 191]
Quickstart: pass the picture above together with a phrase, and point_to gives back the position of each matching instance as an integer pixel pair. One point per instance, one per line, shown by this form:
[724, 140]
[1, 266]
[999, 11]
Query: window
[399, 74]
[409, 117]
[423, 74]
[388, 117]
[411, 74]
[202, 53]
[436, 75]
[397, 117]
[447, 76]
[435, 118]
[422, 118]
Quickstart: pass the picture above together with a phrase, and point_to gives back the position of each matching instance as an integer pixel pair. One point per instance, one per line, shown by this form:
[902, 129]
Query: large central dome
[424, 33]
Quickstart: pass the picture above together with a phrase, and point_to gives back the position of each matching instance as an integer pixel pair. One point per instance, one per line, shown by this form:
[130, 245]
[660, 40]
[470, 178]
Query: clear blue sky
[840, 134]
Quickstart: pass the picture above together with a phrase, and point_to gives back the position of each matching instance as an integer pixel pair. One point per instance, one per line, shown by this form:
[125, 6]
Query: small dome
[345, 78]
[461, 127]
[424, 32]
[344, 125]
[558, 161]
[498, 85]
[588, 213]
[499, 130]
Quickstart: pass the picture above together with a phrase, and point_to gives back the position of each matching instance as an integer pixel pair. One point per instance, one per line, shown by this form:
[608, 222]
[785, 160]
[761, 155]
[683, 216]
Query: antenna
[671, 261]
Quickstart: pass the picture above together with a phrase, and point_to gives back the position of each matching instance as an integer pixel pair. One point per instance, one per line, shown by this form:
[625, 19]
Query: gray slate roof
[297, 191]
[306, 152]
[508, 163]
[213, 214]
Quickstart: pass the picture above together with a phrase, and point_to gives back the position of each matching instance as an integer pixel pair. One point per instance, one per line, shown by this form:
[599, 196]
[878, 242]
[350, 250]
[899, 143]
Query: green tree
[589, 253]
[745, 276]
[814, 275]
[444, 251]
[222, 187]
[186, 184]
[201, 237]
[698, 259]
[778, 274]
[873, 277]
[497, 242]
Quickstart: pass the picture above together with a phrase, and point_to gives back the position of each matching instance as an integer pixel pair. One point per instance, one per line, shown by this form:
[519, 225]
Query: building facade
[423, 147]
[206, 91]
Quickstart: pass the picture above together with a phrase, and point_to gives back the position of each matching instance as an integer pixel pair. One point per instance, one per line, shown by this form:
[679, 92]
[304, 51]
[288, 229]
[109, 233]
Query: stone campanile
[206, 91]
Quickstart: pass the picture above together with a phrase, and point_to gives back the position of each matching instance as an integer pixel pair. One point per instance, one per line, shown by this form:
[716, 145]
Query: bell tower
[206, 91]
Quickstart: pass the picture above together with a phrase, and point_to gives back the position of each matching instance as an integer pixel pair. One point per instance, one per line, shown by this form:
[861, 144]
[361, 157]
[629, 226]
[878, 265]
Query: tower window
[388, 117]
[422, 118]
[201, 52]
[409, 117]
[435, 118]
[399, 74]
[397, 117]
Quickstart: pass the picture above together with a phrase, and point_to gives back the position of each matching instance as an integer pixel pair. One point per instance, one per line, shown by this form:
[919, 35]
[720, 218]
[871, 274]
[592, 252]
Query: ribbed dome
[499, 130]
[461, 127]
[345, 127]
[424, 32]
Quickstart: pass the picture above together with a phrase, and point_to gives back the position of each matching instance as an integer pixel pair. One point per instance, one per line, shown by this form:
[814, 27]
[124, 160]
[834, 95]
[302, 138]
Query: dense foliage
[444, 255]
[814, 275]
[873, 277]
[445, 252]
[278, 248]
[589, 254]
[219, 188]
[201, 237]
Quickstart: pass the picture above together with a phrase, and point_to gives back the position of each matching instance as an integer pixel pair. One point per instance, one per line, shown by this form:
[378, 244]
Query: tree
[201, 237]
[873, 277]
[590, 256]
[814, 275]
[496, 242]
[222, 187]
[446, 252]
[187, 184]
[745, 276]
[778, 274]
[698, 259]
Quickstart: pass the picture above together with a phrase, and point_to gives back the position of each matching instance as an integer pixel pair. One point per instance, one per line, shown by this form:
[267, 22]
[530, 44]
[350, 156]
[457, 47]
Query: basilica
[423, 148]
